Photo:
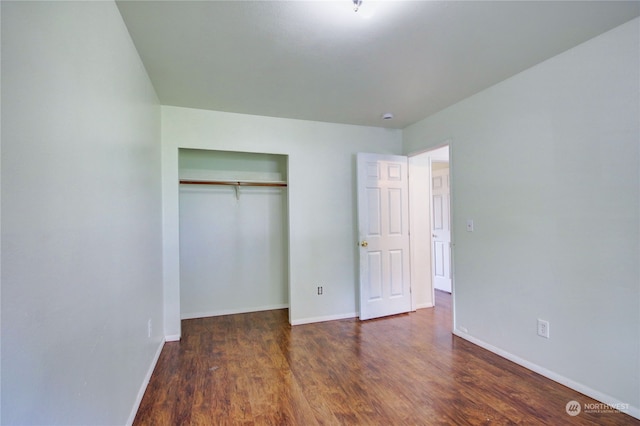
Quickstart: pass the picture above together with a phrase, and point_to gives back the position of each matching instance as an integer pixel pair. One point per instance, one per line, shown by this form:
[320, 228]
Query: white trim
[145, 383]
[233, 311]
[323, 319]
[425, 305]
[420, 230]
[172, 338]
[592, 393]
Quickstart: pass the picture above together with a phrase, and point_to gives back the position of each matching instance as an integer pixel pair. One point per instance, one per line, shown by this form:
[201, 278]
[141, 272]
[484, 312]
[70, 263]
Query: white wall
[233, 251]
[547, 164]
[81, 224]
[322, 221]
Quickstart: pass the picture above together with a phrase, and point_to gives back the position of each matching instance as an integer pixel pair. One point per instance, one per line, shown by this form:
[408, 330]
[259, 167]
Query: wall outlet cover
[543, 328]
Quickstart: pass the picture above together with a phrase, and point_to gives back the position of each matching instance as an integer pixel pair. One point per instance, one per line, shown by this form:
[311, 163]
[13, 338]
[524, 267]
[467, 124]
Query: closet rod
[230, 183]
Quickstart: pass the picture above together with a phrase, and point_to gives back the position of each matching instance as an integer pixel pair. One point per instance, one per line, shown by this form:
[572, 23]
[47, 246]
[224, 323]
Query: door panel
[439, 256]
[375, 275]
[383, 223]
[438, 211]
[373, 206]
[396, 267]
[395, 212]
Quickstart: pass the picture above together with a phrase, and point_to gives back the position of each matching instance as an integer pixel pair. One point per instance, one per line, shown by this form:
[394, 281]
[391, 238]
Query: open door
[383, 226]
[441, 250]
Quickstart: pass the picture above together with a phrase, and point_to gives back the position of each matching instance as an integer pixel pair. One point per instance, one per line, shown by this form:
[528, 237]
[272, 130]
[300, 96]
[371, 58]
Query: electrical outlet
[543, 328]
[149, 328]
[319, 290]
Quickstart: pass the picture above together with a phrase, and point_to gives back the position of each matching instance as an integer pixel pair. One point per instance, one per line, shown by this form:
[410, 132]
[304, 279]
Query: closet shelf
[236, 183]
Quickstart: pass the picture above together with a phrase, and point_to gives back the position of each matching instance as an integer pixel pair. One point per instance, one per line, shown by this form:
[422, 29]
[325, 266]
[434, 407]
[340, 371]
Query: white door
[383, 225]
[441, 227]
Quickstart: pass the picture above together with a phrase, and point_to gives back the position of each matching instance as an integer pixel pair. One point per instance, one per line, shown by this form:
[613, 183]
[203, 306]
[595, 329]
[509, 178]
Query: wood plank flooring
[255, 369]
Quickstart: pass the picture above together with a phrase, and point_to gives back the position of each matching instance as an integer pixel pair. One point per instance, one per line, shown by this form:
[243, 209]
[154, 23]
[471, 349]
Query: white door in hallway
[441, 228]
[383, 226]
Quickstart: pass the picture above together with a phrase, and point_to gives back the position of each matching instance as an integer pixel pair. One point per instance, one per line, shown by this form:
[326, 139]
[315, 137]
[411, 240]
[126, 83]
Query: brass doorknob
[364, 243]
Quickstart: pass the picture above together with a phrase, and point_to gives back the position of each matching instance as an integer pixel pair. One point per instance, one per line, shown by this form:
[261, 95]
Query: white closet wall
[233, 247]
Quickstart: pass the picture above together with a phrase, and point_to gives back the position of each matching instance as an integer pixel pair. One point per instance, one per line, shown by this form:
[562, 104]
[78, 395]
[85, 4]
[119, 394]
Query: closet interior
[233, 232]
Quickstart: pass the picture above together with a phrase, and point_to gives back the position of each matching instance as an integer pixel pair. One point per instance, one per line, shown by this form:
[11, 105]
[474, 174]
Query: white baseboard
[424, 305]
[172, 338]
[145, 382]
[232, 311]
[592, 393]
[323, 319]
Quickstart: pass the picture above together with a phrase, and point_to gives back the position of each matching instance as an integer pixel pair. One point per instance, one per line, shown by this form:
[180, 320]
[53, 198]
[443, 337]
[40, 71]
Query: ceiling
[320, 60]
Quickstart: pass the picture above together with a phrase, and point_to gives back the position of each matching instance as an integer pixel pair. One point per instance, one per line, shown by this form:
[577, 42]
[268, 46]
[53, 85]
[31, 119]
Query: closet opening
[233, 221]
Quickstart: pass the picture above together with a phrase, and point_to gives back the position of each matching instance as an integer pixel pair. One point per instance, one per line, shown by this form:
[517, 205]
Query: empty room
[320, 212]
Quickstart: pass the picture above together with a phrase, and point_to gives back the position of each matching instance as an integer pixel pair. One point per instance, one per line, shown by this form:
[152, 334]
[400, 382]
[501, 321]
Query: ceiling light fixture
[387, 116]
[356, 4]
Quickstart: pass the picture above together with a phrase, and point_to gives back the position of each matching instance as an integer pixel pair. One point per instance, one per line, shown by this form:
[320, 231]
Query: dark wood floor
[255, 369]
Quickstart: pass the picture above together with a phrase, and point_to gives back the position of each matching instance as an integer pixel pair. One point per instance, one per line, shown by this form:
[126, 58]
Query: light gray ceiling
[320, 60]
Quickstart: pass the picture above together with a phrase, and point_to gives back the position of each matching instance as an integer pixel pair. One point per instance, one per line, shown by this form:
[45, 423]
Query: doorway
[430, 213]
[429, 231]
